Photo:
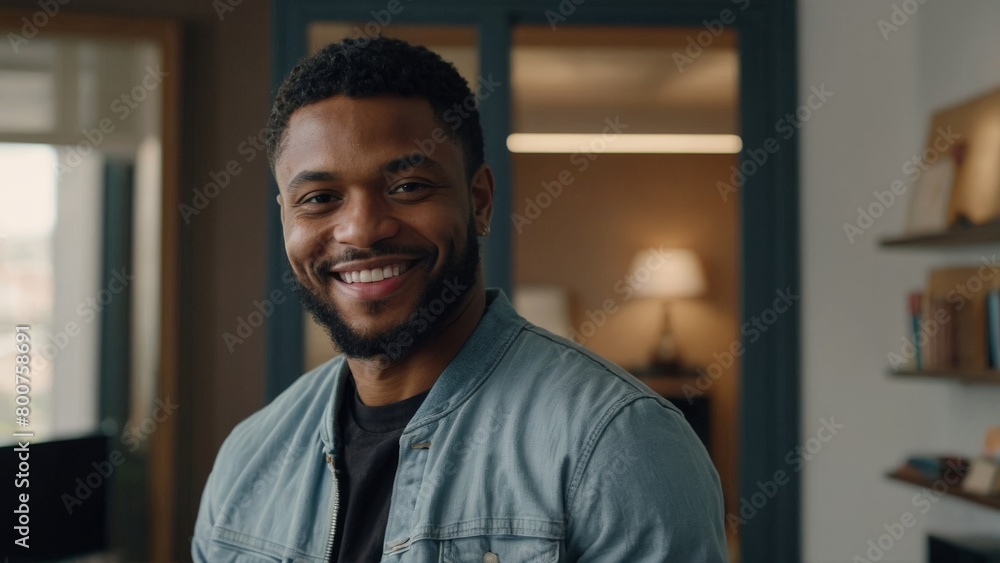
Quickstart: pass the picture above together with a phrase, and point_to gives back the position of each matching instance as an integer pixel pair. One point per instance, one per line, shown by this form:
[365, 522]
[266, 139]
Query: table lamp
[667, 275]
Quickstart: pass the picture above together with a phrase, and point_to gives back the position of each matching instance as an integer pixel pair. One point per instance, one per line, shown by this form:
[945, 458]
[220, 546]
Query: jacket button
[491, 557]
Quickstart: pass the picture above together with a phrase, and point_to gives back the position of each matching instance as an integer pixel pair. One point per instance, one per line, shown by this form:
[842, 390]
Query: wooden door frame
[768, 198]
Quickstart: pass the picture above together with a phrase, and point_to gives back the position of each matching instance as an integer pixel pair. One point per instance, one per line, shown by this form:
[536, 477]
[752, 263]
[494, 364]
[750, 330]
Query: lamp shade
[667, 273]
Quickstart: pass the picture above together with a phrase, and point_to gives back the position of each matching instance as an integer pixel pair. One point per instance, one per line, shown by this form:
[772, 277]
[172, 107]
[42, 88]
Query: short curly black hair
[363, 67]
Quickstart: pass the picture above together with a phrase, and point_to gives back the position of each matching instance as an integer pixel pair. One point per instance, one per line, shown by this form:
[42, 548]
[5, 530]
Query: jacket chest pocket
[500, 549]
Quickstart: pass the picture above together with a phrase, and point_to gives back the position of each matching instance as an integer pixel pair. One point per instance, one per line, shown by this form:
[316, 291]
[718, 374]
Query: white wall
[959, 50]
[854, 294]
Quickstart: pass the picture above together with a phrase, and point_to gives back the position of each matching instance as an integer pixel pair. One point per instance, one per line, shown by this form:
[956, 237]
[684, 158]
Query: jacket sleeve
[213, 507]
[646, 491]
[200, 545]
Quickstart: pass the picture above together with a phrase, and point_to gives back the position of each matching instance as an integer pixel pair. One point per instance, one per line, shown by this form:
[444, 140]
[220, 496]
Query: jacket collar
[474, 362]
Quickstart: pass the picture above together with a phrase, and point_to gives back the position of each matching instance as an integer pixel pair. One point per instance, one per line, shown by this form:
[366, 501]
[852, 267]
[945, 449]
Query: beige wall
[585, 239]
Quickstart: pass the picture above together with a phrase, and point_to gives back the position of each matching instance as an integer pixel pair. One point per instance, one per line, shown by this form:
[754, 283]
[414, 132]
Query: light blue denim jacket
[527, 448]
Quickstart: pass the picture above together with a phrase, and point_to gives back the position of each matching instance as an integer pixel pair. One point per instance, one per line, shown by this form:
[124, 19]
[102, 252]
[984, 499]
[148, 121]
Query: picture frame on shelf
[929, 206]
[983, 478]
[968, 132]
[991, 444]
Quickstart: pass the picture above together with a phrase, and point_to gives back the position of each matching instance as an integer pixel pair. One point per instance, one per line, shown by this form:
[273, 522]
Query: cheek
[445, 232]
[303, 245]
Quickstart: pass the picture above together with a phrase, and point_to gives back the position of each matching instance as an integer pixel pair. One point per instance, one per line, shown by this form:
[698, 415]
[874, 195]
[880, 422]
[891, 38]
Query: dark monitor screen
[66, 504]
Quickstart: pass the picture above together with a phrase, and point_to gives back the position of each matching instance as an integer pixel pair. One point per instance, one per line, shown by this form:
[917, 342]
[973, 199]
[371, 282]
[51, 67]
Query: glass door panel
[618, 139]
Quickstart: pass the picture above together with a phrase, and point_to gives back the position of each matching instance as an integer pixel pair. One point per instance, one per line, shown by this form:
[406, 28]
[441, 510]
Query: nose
[364, 220]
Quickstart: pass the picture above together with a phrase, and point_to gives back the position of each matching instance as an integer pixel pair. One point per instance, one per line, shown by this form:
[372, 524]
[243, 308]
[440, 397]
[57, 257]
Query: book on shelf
[930, 467]
[955, 322]
[915, 301]
[993, 327]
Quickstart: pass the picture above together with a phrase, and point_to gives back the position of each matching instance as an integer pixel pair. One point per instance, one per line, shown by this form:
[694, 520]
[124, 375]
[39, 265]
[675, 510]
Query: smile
[374, 274]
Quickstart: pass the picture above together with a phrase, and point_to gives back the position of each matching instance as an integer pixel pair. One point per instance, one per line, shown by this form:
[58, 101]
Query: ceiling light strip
[623, 143]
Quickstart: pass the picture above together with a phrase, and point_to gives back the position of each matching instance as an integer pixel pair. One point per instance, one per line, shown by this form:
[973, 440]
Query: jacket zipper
[336, 507]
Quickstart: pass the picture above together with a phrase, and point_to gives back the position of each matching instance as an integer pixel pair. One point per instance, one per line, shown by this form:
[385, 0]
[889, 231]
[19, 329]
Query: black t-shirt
[366, 469]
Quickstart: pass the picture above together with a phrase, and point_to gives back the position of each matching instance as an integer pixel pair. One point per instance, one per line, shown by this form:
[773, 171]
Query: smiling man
[449, 428]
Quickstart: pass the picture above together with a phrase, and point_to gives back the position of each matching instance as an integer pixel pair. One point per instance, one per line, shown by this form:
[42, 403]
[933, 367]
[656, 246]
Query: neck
[415, 373]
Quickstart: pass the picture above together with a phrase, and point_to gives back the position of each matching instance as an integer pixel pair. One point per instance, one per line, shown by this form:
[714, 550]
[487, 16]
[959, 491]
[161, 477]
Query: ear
[481, 194]
[281, 209]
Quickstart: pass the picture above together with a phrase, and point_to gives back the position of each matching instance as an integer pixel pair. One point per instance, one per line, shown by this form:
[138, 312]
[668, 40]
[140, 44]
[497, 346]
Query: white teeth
[375, 274]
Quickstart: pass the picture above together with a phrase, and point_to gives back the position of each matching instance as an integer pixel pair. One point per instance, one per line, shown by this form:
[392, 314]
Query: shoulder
[561, 367]
[628, 445]
[580, 395]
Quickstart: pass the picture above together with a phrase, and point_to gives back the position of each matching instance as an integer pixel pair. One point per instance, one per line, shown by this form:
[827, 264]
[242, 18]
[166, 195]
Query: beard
[432, 310]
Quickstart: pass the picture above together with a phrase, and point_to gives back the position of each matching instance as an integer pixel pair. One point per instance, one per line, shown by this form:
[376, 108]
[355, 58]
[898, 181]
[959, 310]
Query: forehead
[342, 134]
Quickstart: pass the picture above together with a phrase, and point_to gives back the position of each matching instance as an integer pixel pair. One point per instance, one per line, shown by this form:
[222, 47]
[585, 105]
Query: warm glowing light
[623, 143]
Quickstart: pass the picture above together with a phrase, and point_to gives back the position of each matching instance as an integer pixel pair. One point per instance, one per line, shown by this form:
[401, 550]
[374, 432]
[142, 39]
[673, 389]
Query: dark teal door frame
[768, 198]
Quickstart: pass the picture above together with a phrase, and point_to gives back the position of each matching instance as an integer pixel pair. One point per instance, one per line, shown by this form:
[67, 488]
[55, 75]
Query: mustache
[422, 253]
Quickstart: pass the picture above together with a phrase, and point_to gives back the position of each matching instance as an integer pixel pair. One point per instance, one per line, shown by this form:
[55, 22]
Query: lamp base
[666, 370]
[666, 366]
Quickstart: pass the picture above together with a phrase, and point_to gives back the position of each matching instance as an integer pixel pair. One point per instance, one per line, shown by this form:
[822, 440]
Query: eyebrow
[308, 176]
[397, 165]
[412, 161]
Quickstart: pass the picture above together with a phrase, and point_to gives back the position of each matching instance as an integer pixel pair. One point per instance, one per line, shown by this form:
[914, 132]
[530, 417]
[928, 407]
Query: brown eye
[407, 188]
[321, 198]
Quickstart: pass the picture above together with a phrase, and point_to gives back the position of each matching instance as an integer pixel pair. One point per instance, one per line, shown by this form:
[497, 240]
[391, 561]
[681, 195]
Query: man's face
[379, 220]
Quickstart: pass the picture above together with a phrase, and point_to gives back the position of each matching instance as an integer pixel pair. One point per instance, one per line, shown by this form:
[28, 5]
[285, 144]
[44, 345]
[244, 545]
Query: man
[450, 429]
